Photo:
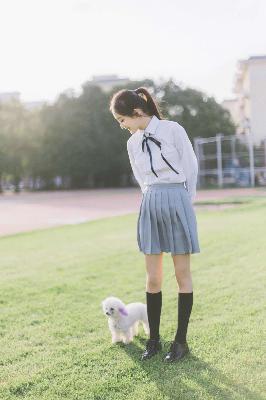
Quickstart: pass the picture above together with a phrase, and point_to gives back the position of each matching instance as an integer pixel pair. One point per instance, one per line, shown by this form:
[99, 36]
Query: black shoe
[177, 351]
[152, 347]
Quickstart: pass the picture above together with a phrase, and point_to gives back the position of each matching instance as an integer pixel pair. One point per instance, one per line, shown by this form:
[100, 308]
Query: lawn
[55, 343]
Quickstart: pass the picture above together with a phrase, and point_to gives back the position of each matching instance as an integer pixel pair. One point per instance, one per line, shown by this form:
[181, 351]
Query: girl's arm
[135, 169]
[188, 158]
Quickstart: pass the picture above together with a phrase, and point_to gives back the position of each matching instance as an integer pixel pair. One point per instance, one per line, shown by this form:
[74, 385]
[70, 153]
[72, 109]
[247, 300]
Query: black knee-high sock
[185, 303]
[154, 306]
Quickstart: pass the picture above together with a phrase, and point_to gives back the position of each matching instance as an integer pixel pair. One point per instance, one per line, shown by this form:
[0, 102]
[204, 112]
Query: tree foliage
[78, 140]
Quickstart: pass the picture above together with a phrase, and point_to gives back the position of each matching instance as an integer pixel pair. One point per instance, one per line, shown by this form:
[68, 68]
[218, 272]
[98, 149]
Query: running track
[30, 211]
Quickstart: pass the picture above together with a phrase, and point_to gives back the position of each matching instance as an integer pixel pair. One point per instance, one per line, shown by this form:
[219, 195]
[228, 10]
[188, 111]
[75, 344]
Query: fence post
[233, 148]
[251, 159]
[219, 159]
[264, 142]
[196, 147]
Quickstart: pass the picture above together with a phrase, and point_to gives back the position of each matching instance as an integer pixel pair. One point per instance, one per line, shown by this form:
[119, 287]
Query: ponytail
[151, 103]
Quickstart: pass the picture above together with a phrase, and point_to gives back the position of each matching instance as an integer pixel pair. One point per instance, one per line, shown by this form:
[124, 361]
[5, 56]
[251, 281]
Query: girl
[165, 166]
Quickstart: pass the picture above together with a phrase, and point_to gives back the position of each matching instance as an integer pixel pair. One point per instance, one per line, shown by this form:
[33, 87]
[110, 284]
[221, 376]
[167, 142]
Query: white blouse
[150, 152]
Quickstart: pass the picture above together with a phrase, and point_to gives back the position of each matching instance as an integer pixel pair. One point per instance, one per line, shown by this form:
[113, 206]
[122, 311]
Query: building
[107, 82]
[32, 105]
[5, 97]
[248, 108]
[232, 106]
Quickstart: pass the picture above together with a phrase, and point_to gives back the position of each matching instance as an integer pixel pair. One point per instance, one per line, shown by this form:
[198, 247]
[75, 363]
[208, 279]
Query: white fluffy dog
[123, 320]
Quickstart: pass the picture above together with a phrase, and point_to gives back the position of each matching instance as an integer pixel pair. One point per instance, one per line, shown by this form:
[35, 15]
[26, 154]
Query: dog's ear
[123, 311]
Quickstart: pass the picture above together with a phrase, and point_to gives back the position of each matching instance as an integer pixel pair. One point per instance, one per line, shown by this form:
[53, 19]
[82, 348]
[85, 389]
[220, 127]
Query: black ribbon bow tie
[145, 141]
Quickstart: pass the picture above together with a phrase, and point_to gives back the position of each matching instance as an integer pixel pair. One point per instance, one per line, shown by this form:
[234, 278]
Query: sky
[48, 46]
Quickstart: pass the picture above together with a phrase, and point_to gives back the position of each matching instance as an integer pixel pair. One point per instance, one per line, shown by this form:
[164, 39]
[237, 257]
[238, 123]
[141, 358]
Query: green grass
[55, 343]
[224, 201]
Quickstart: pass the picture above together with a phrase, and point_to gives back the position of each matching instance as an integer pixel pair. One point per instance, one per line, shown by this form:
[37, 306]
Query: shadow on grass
[172, 379]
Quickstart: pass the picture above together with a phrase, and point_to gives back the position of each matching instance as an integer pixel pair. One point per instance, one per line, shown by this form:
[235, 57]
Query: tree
[77, 138]
[13, 117]
[199, 114]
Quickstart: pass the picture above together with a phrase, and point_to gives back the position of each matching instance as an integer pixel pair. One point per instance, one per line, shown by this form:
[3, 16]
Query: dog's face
[113, 307]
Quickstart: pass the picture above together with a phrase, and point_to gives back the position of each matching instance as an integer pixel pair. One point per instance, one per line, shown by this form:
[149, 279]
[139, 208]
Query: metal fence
[230, 161]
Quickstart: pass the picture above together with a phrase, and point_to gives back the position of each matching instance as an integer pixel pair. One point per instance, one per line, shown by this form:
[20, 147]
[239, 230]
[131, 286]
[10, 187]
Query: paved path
[29, 211]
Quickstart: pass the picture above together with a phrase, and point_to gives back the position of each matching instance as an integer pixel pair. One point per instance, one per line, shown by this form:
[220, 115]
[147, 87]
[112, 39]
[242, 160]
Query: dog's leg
[136, 328]
[116, 337]
[128, 336]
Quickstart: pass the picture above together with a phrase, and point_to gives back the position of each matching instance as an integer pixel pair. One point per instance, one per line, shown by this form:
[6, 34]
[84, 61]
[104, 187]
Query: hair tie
[143, 96]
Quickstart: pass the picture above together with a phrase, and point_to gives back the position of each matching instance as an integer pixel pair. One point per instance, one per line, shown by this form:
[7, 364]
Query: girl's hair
[124, 101]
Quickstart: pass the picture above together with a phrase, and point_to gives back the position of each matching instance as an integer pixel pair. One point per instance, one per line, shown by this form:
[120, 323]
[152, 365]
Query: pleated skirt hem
[167, 221]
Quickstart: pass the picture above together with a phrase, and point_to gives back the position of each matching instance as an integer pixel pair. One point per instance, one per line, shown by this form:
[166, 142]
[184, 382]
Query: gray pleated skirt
[167, 221]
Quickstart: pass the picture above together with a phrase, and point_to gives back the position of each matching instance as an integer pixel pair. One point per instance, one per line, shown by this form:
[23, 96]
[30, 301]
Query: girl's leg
[182, 272]
[185, 295]
[154, 268]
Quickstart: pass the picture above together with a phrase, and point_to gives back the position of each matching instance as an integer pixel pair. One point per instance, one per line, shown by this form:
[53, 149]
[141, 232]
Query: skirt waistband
[166, 185]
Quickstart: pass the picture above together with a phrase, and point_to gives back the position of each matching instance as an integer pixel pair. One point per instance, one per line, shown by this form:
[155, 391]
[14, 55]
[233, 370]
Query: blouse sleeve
[135, 169]
[189, 160]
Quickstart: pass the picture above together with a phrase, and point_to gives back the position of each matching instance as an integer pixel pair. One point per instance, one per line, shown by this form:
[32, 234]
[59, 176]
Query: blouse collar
[152, 125]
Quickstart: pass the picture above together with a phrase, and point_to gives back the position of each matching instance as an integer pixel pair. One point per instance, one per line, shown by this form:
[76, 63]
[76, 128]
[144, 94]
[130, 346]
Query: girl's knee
[153, 284]
[184, 284]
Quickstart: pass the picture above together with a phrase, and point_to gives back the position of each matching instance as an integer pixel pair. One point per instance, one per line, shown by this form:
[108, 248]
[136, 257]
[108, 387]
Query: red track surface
[29, 211]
